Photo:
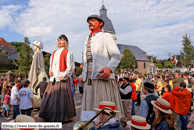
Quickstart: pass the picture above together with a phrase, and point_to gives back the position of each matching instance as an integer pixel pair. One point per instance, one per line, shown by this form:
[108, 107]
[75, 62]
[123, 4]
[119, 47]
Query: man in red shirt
[75, 83]
[182, 104]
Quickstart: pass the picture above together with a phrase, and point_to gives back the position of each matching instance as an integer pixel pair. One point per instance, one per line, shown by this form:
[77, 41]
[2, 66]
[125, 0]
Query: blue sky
[155, 26]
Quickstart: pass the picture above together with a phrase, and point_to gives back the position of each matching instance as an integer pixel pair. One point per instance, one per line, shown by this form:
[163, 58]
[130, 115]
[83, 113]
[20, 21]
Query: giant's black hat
[95, 17]
[63, 37]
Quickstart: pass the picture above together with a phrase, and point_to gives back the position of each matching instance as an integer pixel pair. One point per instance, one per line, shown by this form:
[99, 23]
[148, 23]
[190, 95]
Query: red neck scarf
[95, 31]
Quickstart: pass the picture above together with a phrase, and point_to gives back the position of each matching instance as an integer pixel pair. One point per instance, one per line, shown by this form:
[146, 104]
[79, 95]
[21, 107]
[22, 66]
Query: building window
[144, 65]
[7, 53]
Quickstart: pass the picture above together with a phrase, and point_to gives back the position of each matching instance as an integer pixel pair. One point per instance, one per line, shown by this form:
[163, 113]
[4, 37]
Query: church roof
[137, 52]
[108, 27]
[3, 42]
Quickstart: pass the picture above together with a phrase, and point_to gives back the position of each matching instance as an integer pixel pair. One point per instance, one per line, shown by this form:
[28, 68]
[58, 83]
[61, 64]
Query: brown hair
[123, 121]
[163, 116]
[4, 90]
[16, 81]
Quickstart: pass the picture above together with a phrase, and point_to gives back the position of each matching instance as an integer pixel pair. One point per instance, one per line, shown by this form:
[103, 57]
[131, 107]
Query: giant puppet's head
[95, 22]
[62, 41]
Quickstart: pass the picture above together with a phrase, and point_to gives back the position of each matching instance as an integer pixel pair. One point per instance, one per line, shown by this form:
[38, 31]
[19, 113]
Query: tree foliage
[47, 62]
[155, 60]
[128, 60]
[187, 53]
[159, 65]
[168, 64]
[17, 45]
[24, 56]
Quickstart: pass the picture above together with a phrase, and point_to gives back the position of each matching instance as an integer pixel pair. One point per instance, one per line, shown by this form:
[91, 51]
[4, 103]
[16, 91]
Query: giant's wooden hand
[50, 73]
[106, 73]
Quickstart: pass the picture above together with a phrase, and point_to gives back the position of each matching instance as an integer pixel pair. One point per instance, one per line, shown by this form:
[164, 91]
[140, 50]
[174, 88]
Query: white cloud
[154, 26]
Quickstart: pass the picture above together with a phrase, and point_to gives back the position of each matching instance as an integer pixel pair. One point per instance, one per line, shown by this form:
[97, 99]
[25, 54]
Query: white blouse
[55, 65]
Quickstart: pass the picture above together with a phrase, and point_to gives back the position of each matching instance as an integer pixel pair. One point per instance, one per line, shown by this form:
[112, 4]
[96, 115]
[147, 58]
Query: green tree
[47, 62]
[128, 60]
[168, 64]
[155, 60]
[187, 53]
[17, 45]
[159, 65]
[24, 57]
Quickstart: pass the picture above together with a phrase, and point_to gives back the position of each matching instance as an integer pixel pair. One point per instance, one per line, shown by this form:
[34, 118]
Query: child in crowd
[6, 104]
[3, 92]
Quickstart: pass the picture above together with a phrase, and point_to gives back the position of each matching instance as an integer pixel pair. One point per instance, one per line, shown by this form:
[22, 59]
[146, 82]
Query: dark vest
[148, 99]
[127, 96]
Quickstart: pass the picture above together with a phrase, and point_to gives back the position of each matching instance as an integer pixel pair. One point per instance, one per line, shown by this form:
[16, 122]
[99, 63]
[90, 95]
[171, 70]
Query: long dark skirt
[57, 103]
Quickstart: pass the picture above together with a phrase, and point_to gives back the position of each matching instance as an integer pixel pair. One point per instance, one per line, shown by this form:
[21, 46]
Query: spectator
[125, 92]
[20, 85]
[164, 118]
[112, 123]
[3, 92]
[146, 108]
[14, 99]
[169, 97]
[176, 81]
[138, 123]
[188, 82]
[75, 83]
[191, 123]
[170, 81]
[183, 103]
[138, 89]
[81, 85]
[6, 104]
[42, 85]
[26, 99]
[3, 77]
[159, 85]
[133, 96]
[123, 121]
[4, 84]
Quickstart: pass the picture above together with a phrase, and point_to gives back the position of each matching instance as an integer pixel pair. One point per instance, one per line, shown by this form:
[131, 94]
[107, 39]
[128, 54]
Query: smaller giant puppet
[101, 58]
[37, 71]
[57, 103]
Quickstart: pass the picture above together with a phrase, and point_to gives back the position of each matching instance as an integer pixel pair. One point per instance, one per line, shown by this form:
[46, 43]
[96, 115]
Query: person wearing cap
[112, 123]
[101, 58]
[138, 123]
[37, 71]
[146, 108]
[25, 96]
[58, 103]
[126, 92]
[163, 115]
[183, 103]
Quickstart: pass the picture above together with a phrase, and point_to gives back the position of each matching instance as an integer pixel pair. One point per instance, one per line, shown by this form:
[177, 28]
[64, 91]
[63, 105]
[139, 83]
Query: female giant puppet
[101, 58]
[37, 71]
[57, 103]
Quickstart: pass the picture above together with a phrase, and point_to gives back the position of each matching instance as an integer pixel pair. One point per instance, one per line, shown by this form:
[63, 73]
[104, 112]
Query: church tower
[108, 26]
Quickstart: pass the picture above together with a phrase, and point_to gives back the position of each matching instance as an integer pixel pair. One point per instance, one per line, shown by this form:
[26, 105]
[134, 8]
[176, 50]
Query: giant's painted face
[61, 42]
[94, 24]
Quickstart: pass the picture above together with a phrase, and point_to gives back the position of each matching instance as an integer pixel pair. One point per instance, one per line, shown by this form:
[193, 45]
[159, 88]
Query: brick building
[142, 61]
[9, 51]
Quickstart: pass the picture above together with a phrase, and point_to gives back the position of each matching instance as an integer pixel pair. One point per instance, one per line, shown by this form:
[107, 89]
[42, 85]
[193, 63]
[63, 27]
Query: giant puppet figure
[57, 103]
[101, 58]
[37, 71]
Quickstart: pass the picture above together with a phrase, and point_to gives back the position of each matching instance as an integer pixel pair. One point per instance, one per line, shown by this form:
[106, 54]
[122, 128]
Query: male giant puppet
[101, 57]
[57, 103]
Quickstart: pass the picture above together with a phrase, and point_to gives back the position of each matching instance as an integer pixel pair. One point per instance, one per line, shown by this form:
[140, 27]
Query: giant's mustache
[90, 24]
